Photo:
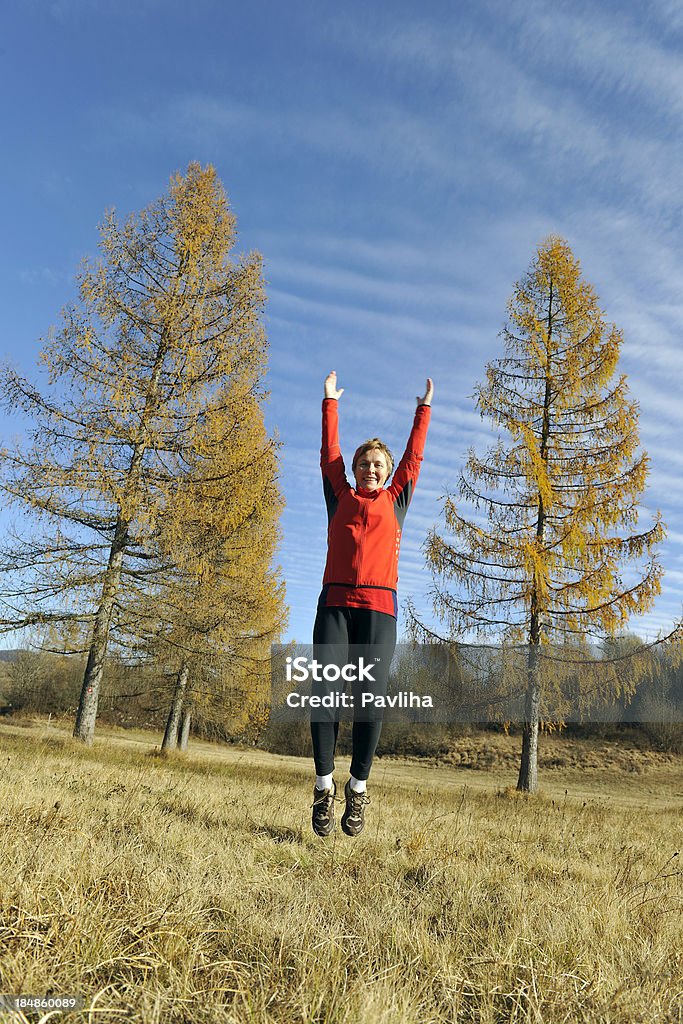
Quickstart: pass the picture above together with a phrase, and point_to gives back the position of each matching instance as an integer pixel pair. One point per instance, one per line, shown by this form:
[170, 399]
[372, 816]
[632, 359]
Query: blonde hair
[367, 446]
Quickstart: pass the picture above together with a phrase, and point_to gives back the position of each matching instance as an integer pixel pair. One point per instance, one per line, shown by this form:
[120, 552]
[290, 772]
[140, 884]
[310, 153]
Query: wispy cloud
[531, 105]
[611, 53]
[45, 276]
[398, 292]
[369, 320]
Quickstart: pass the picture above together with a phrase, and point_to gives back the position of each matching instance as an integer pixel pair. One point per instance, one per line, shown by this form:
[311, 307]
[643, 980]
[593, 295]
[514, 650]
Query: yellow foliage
[556, 500]
[152, 441]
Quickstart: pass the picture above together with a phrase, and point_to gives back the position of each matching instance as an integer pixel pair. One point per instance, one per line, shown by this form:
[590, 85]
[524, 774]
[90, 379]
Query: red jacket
[364, 527]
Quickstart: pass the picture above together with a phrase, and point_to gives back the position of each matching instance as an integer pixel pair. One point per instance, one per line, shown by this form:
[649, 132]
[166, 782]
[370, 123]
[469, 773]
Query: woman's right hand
[331, 390]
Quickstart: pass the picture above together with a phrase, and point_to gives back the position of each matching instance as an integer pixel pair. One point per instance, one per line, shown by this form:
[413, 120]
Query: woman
[358, 604]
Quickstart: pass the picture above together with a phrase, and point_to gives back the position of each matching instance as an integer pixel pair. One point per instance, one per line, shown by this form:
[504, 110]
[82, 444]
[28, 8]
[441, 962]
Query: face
[371, 470]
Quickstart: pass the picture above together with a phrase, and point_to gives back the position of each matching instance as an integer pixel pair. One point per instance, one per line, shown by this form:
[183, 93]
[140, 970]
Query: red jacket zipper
[361, 543]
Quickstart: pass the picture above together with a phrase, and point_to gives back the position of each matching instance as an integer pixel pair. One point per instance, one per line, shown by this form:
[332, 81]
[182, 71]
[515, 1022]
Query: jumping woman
[358, 605]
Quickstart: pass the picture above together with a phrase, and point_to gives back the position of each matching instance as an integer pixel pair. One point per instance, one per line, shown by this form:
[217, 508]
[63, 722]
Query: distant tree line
[617, 689]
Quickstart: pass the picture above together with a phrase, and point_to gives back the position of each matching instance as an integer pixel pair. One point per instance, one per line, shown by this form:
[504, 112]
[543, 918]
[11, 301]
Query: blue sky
[397, 165]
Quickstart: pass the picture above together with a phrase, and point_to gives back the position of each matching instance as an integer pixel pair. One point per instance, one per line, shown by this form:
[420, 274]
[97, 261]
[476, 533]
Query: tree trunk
[527, 781]
[84, 728]
[170, 740]
[185, 728]
[528, 769]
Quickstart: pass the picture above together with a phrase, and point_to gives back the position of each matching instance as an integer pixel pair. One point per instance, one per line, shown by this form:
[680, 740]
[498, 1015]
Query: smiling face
[371, 470]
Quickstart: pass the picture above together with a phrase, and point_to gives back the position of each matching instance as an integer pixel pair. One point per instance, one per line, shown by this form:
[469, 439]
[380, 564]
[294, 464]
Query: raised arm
[408, 469]
[331, 461]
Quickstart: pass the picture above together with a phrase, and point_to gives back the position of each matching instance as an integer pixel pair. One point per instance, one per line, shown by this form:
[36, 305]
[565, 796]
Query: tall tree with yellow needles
[555, 501]
[166, 317]
[212, 616]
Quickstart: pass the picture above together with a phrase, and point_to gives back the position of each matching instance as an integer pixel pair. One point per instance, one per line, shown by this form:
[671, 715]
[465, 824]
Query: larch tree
[552, 552]
[215, 610]
[165, 318]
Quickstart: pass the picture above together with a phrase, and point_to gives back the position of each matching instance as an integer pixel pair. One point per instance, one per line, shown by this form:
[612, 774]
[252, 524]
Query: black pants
[370, 634]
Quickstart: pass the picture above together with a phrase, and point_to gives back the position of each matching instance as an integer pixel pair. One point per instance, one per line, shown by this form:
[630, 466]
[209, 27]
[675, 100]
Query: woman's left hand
[427, 398]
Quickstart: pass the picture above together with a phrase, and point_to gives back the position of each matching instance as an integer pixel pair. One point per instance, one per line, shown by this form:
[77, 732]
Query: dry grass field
[191, 889]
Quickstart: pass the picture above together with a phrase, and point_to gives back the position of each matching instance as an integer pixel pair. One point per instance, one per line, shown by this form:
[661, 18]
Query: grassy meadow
[192, 889]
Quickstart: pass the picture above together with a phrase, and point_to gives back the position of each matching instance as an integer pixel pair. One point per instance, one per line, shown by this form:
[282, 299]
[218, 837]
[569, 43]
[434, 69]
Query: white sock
[357, 785]
[324, 781]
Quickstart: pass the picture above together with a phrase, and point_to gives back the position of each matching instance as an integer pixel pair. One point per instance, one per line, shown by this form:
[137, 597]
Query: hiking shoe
[323, 810]
[353, 818]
